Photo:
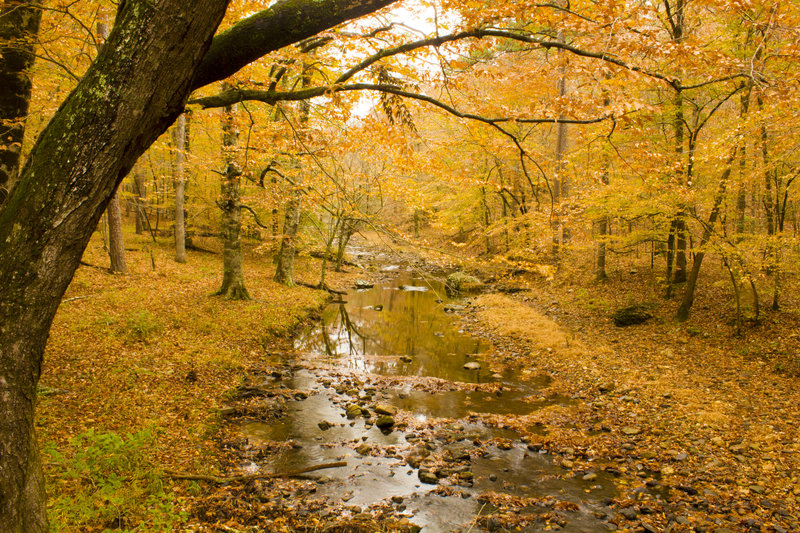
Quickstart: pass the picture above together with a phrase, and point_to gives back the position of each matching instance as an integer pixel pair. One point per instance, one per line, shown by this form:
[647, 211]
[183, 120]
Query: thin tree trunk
[560, 181]
[230, 203]
[284, 267]
[116, 241]
[691, 282]
[180, 187]
[602, 224]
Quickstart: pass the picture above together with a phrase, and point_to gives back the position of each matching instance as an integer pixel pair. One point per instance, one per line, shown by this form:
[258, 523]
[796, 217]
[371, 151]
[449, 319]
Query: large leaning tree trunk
[135, 89]
[19, 26]
[230, 203]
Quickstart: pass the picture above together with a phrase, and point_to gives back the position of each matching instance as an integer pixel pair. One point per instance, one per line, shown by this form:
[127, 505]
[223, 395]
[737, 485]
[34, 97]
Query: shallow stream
[399, 344]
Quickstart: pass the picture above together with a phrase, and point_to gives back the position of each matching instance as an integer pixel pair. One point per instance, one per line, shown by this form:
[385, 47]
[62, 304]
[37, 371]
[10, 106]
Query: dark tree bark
[135, 89]
[19, 26]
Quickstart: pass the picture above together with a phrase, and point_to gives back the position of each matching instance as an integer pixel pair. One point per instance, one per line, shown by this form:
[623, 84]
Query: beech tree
[156, 54]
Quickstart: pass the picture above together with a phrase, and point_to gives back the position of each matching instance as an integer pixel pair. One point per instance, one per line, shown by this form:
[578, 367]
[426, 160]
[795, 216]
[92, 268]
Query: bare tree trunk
[116, 241]
[284, 267]
[602, 224]
[560, 179]
[691, 282]
[230, 203]
[180, 187]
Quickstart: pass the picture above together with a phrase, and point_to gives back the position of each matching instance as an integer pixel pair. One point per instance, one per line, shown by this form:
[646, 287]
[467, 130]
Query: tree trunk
[691, 281]
[560, 180]
[19, 26]
[180, 187]
[284, 267]
[116, 242]
[230, 203]
[75, 166]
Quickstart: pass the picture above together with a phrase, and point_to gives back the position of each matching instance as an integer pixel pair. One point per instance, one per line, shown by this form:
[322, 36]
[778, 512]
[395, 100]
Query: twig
[250, 477]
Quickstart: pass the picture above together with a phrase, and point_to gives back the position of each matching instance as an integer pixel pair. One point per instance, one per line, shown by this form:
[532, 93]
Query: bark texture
[134, 90]
[180, 189]
[19, 26]
[284, 266]
[230, 203]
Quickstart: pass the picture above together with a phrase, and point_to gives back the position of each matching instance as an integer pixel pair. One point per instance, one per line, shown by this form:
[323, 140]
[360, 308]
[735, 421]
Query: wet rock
[299, 395]
[466, 475]
[758, 489]
[631, 430]
[385, 409]
[428, 477]
[353, 411]
[591, 476]
[385, 422]
[406, 359]
[324, 425]
[649, 528]
[452, 308]
[364, 449]
[472, 365]
[462, 282]
[413, 288]
[362, 284]
[629, 513]
[492, 477]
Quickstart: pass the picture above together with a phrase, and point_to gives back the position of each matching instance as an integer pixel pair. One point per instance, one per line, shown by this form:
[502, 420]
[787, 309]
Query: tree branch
[287, 22]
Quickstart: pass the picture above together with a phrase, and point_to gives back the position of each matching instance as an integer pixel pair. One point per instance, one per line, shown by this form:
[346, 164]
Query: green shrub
[105, 482]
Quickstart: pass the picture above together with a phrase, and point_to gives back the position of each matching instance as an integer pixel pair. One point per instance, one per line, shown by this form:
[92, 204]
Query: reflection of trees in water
[410, 323]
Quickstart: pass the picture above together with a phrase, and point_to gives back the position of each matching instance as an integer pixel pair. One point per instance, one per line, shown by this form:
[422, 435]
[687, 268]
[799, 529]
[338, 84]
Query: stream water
[397, 344]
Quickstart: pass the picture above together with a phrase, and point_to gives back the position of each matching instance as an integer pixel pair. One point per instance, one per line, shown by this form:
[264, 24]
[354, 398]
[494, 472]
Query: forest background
[578, 140]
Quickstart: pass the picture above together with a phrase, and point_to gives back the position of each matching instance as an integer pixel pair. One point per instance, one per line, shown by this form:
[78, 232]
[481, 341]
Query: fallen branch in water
[317, 287]
[250, 477]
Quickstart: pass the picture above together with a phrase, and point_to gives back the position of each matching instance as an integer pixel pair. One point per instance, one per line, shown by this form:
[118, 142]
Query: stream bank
[435, 435]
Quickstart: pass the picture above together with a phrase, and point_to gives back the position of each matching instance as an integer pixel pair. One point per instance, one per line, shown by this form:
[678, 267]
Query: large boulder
[461, 282]
[631, 315]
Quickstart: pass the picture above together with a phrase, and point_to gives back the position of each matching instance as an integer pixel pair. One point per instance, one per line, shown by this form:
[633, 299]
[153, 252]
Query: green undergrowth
[108, 482]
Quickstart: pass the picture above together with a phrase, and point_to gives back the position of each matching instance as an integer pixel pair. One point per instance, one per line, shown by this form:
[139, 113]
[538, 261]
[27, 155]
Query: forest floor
[137, 372]
[701, 424]
[697, 426]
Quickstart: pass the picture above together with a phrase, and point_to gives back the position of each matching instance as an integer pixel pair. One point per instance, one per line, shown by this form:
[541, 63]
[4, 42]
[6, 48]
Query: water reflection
[396, 329]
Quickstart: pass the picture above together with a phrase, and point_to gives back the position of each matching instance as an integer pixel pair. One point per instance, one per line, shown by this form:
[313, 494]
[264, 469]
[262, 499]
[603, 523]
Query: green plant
[141, 325]
[107, 482]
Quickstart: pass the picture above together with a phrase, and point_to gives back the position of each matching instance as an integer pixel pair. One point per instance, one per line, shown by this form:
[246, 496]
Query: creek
[398, 345]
